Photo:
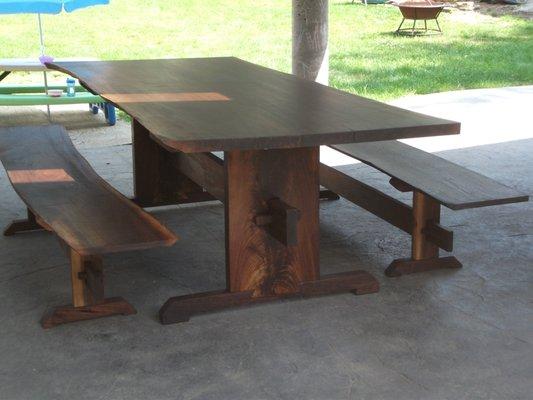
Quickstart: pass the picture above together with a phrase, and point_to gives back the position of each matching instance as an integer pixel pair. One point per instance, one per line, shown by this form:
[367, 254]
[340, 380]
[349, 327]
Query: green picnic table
[35, 95]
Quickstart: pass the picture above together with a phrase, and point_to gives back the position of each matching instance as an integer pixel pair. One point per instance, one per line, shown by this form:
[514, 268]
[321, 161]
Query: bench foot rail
[88, 300]
[405, 266]
[424, 252]
[65, 314]
[29, 224]
[182, 308]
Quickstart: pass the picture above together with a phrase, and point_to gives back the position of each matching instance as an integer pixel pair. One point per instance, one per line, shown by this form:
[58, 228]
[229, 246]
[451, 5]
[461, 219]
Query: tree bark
[310, 40]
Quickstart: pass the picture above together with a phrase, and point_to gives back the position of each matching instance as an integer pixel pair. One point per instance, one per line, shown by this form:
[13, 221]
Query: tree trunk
[310, 40]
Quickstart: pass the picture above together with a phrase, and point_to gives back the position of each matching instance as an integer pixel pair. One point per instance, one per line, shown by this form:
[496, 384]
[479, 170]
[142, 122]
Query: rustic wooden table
[269, 126]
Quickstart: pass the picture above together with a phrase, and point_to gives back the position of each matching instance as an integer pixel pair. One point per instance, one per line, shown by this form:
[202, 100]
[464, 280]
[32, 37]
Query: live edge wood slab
[222, 104]
[64, 195]
[269, 126]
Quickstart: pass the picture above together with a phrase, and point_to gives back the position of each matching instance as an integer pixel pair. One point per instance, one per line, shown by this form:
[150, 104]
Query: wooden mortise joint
[281, 222]
[427, 237]
[88, 301]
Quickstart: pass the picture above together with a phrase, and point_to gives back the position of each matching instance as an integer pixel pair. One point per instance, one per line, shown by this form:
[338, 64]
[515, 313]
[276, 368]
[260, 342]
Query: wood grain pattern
[80, 207]
[181, 308]
[450, 184]
[259, 108]
[257, 262]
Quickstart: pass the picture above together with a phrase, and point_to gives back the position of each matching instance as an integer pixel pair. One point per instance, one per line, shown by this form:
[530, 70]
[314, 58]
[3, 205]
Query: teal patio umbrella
[45, 7]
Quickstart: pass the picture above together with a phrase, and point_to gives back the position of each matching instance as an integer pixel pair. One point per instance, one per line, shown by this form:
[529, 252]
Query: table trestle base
[182, 308]
[272, 235]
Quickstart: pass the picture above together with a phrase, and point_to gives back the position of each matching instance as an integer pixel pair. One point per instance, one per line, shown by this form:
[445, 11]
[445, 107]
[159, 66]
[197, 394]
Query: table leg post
[259, 267]
[424, 253]
[157, 179]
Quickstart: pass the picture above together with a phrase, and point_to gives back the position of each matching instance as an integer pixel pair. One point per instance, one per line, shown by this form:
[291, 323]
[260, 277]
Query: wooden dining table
[269, 127]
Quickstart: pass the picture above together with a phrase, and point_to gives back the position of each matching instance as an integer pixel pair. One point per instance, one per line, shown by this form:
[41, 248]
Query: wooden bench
[433, 180]
[64, 195]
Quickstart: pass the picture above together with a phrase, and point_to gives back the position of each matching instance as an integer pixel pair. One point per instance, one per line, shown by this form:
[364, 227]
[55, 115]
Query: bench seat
[452, 185]
[64, 195]
[433, 180]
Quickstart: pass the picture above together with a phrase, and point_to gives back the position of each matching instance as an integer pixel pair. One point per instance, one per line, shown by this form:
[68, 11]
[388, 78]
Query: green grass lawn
[365, 57]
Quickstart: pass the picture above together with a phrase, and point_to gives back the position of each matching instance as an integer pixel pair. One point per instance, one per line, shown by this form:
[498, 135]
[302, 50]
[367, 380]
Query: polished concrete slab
[463, 334]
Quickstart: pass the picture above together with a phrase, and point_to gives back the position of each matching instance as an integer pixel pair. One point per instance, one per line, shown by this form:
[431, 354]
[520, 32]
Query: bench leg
[326, 194]
[424, 254]
[29, 224]
[88, 300]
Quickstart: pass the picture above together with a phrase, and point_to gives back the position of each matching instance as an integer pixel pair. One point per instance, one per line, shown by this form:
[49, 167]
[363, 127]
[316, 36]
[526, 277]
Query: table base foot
[66, 314]
[182, 308]
[405, 266]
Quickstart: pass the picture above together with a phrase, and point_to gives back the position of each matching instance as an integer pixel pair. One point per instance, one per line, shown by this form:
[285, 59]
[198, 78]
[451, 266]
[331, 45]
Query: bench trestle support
[88, 301]
[424, 253]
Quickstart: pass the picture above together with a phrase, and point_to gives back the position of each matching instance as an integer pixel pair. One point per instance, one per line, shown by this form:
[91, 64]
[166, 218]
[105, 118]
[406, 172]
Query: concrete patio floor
[462, 334]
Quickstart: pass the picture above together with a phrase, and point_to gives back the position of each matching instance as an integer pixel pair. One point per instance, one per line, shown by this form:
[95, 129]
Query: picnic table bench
[64, 195]
[35, 95]
[433, 180]
[270, 127]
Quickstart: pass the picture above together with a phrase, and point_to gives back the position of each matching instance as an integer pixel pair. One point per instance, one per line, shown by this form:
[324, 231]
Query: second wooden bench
[65, 196]
[433, 180]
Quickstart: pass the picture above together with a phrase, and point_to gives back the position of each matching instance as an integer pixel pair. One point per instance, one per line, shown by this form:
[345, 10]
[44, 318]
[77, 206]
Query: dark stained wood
[326, 194]
[424, 252]
[400, 185]
[256, 261]
[88, 301]
[63, 191]
[94, 280]
[66, 314]
[29, 224]
[384, 206]
[181, 308]
[439, 235]
[406, 266]
[450, 184]
[215, 104]
[425, 210]
[205, 169]
[156, 178]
